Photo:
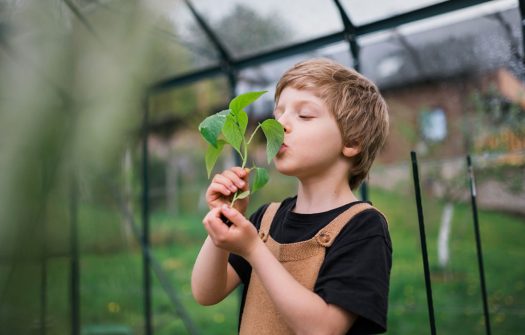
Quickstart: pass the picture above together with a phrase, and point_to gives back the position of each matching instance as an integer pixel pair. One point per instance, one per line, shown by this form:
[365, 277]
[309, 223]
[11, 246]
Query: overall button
[263, 236]
[324, 237]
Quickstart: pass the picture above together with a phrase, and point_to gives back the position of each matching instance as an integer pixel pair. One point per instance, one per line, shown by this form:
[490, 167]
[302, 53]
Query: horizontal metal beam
[418, 14]
[314, 44]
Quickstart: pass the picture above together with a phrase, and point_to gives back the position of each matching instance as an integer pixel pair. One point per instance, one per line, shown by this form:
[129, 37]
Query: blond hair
[358, 107]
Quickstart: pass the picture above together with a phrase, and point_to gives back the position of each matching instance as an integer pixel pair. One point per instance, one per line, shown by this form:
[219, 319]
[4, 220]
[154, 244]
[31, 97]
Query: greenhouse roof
[241, 34]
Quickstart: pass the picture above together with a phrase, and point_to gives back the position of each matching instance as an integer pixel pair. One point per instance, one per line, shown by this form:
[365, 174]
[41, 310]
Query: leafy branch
[232, 124]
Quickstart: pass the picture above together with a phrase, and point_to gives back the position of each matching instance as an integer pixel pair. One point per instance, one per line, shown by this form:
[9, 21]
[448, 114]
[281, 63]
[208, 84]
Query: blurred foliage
[70, 94]
[497, 128]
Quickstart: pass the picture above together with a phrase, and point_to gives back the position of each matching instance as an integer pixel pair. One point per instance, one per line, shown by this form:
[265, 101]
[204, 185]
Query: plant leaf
[211, 127]
[212, 153]
[239, 102]
[274, 133]
[234, 128]
[242, 119]
[261, 177]
[243, 195]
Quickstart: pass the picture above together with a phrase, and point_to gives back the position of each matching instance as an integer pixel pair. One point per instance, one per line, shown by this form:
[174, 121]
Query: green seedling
[229, 127]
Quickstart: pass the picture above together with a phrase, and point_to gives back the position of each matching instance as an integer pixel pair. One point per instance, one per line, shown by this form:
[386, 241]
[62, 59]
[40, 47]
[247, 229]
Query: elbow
[203, 301]
[200, 296]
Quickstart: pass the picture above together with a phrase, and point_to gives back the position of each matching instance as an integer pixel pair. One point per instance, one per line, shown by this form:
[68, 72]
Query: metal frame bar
[163, 278]
[479, 250]
[522, 14]
[423, 240]
[313, 44]
[350, 36]
[226, 61]
[75, 266]
[148, 326]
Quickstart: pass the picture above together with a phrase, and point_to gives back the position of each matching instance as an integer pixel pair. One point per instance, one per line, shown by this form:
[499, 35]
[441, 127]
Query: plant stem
[255, 130]
[244, 157]
[245, 150]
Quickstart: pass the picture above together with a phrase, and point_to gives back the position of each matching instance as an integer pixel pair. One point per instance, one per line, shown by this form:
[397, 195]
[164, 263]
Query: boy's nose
[282, 121]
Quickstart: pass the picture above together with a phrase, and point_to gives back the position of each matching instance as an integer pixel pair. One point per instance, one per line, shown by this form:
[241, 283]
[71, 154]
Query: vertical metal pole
[479, 251]
[43, 291]
[43, 262]
[364, 191]
[350, 37]
[145, 221]
[522, 15]
[423, 240]
[75, 269]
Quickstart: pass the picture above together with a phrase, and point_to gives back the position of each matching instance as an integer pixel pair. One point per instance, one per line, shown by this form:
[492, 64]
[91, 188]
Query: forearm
[209, 280]
[304, 311]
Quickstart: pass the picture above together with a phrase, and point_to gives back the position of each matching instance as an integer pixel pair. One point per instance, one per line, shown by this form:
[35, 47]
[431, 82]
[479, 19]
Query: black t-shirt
[356, 271]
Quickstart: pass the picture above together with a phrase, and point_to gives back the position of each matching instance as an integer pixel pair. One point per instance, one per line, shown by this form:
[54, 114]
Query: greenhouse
[104, 166]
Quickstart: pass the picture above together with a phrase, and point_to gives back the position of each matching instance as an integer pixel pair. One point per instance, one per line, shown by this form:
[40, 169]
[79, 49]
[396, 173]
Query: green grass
[456, 289]
[111, 273]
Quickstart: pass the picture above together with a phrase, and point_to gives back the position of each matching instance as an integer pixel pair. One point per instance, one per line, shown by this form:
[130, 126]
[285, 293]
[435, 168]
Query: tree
[241, 31]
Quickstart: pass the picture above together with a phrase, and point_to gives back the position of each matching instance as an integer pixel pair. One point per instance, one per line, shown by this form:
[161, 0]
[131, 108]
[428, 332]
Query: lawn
[111, 273]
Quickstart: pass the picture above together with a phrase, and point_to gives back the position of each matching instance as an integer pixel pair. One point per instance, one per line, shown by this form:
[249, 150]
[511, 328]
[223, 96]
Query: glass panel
[365, 11]
[249, 27]
[475, 39]
[178, 50]
[111, 280]
[185, 105]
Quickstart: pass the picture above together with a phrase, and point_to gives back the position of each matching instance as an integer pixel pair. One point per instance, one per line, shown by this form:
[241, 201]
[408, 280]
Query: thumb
[233, 215]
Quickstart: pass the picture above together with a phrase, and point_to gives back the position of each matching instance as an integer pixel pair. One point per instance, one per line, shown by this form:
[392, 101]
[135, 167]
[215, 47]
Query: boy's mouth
[282, 149]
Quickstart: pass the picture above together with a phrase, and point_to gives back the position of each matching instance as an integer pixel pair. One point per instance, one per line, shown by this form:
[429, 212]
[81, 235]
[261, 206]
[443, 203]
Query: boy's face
[312, 140]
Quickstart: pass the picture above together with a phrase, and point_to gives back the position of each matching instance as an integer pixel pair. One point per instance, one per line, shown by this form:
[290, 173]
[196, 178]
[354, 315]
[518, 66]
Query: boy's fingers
[211, 214]
[242, 173]
[234, 178]
[233, 215]
[219, 188]
[214, 224]
[224, 180]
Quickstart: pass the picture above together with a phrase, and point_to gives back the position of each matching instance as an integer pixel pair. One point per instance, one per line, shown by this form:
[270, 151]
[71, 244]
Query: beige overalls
[302, 260]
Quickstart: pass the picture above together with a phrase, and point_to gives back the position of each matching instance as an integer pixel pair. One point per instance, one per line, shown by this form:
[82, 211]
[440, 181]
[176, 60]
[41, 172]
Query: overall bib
[301, 259]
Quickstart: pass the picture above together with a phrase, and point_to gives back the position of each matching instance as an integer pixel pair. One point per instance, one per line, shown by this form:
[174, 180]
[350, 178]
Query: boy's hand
[223, 186]
[240, 238]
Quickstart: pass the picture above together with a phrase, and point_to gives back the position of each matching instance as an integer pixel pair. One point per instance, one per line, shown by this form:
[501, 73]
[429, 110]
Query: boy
[319, 262]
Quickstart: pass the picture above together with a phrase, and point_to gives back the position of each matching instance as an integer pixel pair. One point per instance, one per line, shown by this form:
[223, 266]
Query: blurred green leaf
[243, 195]
[261, 177]
[234, 128]
[239, 102]
[274, 133]
[211, 127]
[212, 153]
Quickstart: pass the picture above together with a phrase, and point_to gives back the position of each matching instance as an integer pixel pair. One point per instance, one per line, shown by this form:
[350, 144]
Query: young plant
[231, 124]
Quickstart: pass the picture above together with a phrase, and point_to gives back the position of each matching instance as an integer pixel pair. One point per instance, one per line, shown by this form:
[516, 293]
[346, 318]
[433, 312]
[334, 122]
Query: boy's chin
[285, 170]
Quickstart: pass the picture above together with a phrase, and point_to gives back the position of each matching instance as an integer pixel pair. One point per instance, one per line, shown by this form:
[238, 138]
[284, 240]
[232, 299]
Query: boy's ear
[350, 151]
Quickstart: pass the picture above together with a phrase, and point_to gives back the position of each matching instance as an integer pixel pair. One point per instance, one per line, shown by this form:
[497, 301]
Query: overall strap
[267, 219]
[327, 235]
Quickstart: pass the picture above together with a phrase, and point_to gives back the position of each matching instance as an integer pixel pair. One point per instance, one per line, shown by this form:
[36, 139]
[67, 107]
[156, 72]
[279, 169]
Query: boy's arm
[213, 278]
[304, 311]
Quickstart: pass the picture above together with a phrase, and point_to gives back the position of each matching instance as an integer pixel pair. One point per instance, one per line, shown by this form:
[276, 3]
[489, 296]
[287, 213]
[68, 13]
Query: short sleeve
[356, 273]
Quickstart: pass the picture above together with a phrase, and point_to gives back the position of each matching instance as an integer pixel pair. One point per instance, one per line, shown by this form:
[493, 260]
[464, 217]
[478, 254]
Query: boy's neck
[322, 194]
